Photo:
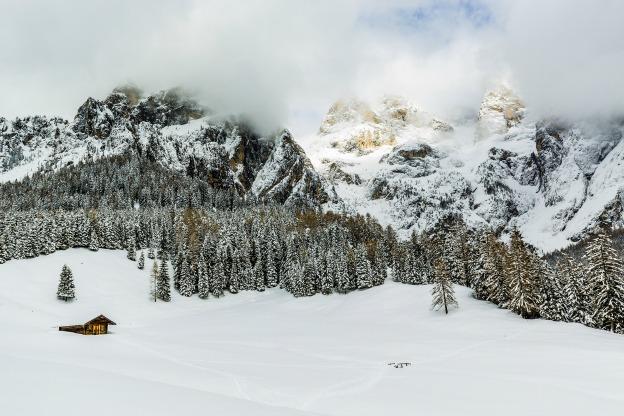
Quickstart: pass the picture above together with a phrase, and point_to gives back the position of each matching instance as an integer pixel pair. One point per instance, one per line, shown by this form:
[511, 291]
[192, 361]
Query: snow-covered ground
[271, 354]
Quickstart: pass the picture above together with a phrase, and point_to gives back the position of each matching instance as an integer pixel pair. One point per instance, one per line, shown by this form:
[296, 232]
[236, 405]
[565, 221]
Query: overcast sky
[285, 61]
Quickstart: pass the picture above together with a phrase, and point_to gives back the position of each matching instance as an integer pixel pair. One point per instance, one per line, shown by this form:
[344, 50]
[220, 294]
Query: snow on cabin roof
[100, 319]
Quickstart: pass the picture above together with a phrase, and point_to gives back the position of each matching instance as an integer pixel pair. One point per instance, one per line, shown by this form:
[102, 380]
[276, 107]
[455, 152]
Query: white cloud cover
[285, 61]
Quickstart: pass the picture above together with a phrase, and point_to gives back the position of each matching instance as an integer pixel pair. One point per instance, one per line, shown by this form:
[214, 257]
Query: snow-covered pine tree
[310, 276]
[362, 268]
[163, 287]
[258, 277]
[296, 279]
[606, 283]
[203, 281]
[217, 279]
[390, 244]
[421, 266]
[150, 253]
[553, 302]
[274, 256]
[141, 262]
[66, 289]
[456, 252]
[177, 267]
[578, 283]
[341, 272]
[572, 287]
[186, 279]
[131, 248]
[271, 272]
[495, 280]
[523, 278]
[154, 277]
[291, 261]
[245, 268]
[442, 292]
[400, 266]
[4, 251]
[480, 273]
[327, 278]
[94, 241]
[379, 267]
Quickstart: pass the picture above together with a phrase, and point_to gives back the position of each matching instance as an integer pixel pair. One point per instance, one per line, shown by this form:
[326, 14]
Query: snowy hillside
[272, 354]
[171, 129]
[551, 179]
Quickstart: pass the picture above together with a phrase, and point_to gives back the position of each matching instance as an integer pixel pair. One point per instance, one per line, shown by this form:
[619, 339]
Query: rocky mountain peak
[125, 107]
[168, 107]
[288, 176]
[131, 92]
[500, 110]
[356, 126]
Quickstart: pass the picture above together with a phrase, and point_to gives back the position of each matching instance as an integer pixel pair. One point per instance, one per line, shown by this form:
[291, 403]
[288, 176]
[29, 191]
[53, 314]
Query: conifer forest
[217, 243]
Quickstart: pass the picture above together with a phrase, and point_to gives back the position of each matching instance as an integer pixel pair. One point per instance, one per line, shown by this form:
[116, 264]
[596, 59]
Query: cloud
[566, 57]
[285, 61]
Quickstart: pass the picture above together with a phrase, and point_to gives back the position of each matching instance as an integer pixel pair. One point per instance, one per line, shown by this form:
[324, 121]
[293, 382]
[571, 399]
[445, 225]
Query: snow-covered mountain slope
[171, 129]
[504, 169]
[550, 178]
[271, 354]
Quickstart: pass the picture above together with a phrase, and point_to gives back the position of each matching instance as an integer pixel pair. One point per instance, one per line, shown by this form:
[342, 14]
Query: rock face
[172, 129]
[288, 177]
[336, 174]
[550, 178]
[500, 110]
[355, 126]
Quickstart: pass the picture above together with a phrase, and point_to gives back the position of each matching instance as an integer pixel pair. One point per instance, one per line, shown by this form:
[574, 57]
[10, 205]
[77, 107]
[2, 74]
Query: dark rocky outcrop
[288, 177]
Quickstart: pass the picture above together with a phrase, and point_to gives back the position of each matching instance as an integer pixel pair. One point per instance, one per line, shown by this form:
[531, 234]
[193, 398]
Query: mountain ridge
[505, 169]
[173, 130]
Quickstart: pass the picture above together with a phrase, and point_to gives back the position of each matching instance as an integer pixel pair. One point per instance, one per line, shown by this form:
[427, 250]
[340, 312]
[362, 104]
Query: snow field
[272, 354]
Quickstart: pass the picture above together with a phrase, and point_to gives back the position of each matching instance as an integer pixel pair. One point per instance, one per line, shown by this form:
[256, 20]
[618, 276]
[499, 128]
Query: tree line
[217, 242]
[310, 252]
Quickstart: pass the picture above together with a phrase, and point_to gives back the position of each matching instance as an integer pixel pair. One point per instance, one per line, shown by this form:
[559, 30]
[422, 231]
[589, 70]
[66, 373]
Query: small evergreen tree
[141, 262]
[203, 282]
[442, 292]
[163, 287]
[523, 272]
[258, 277]
[271, 271]
[66, 289]
[217, 283]
[554, 305]
[186, 279]
[94, 242]
[154, 278]
[131, 255]
[341, 273]
[363, 269]
[379, 267]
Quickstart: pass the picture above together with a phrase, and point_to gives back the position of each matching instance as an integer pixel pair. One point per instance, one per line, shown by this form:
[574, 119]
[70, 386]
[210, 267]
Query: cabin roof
[101, 319]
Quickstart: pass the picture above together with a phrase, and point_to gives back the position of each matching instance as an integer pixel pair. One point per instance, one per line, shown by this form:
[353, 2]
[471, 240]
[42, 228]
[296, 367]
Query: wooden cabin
[96, 326]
